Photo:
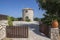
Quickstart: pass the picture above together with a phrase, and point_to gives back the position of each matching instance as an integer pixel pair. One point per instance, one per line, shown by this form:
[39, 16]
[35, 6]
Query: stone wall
[54, 34]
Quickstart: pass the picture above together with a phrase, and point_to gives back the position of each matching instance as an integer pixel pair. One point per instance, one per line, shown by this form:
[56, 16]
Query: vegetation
[15, 19]
[52, 8]
[12, 18]
[36, 19]
[20, 19]
[10, 22]
[27, 19]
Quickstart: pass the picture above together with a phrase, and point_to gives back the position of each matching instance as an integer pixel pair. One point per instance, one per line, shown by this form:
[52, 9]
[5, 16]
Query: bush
[27, 19]
[36, 19]
[15, 19]
[10, 22]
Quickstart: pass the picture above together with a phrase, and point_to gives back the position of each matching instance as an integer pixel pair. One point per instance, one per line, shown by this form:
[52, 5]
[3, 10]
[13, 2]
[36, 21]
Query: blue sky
[14, 7]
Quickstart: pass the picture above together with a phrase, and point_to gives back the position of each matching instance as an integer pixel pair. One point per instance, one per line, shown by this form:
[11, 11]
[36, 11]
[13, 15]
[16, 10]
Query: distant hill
[3, 17]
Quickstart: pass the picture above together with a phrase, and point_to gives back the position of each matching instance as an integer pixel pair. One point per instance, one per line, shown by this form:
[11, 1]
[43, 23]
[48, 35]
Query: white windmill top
[27, 9]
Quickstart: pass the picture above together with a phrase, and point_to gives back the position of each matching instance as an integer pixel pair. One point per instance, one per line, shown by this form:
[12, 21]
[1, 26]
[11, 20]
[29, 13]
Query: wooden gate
[44, 29]
[17, 32]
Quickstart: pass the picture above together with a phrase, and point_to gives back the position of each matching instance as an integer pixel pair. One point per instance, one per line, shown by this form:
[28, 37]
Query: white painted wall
[18, 23]
[30, 13]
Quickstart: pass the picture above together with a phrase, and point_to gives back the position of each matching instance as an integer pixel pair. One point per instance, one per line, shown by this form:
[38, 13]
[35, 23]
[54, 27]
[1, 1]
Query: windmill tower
[28, 12]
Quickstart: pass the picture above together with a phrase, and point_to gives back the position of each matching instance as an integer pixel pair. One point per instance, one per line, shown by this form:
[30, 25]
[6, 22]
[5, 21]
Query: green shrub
[27, 19]
[10, 22]
[15, 19]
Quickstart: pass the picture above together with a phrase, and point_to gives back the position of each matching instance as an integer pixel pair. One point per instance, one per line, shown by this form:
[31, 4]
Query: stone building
[28, 12]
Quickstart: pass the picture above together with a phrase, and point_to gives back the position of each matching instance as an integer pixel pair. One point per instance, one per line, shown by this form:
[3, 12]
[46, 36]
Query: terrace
[33, 31]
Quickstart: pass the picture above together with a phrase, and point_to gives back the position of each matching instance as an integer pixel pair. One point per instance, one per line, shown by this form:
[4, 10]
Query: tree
[12, 18]
[52, 8]
[15, 19]
[20, 19]
[36, 19]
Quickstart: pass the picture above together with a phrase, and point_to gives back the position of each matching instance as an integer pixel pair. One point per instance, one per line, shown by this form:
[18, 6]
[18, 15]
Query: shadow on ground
[35, 29]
